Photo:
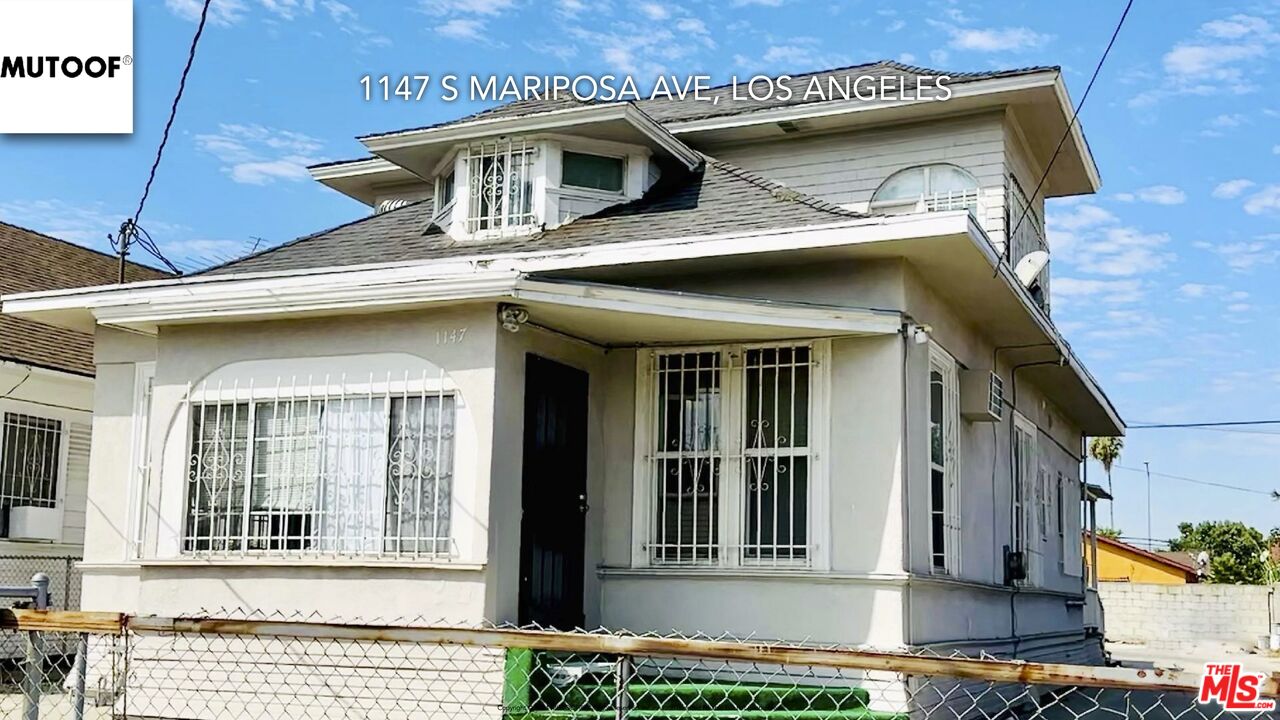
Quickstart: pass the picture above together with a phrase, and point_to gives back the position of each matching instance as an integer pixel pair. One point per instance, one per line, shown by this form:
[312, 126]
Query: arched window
[927, 188]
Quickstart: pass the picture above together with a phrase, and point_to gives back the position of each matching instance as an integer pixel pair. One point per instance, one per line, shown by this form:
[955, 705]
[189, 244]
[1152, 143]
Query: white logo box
[66, 66]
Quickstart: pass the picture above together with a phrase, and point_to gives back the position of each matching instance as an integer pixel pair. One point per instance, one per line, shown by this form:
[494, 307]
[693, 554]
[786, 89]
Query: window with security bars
[30, 460]
[500, 185]
[731, 458]
[944, 465]
[327, 475]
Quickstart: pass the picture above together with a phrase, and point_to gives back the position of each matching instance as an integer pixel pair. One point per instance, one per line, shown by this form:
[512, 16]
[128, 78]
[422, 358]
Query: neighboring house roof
[718, 198]
[31, 261]
[1184, 558]
[674, 110]
[1156, 557]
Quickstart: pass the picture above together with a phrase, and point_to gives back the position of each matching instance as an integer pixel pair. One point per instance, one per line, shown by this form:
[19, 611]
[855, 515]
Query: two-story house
[768, 368]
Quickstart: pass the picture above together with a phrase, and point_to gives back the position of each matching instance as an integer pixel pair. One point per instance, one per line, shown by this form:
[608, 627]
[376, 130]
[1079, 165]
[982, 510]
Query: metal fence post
[622, 696]
[81, 670]
[33, 668]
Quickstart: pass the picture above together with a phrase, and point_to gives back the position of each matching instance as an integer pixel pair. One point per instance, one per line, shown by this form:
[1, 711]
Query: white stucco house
[46, 405]
[767, 368]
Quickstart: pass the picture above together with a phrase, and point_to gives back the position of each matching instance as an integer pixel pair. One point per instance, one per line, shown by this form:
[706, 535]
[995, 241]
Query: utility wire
[1269, 493]
[1070, 126]
[1229, 423]
[130, 231]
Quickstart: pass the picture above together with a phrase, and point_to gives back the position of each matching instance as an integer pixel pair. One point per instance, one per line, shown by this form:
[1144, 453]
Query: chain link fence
[64, 577]
[293, 668]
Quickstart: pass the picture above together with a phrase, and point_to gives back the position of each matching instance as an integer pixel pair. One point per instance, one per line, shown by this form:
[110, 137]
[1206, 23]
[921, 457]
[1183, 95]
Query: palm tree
[1106, 450]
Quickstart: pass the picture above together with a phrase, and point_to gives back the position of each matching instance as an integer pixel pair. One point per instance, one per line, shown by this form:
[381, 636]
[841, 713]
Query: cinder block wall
[1178, 614]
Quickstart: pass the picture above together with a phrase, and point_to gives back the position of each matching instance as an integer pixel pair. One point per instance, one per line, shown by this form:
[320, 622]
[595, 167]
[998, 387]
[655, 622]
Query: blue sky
[1165, 282]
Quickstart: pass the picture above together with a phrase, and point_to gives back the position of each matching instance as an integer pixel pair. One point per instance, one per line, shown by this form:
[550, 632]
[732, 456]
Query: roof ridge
[78, 246]
[295, 241]
[782, 192]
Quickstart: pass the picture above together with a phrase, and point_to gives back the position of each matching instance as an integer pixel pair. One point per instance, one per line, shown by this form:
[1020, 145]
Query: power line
[1269, 493]
[1229, 423]
[130, 231]
[1070, 126]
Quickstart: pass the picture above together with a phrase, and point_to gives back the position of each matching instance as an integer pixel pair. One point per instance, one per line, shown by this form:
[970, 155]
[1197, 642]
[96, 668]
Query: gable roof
[31, 261]
[721, 103]
[718, 198]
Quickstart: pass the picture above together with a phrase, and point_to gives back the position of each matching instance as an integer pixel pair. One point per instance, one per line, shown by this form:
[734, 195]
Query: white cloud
[1196, 290]
[1155, 194]
[1108, 291]
[906, 58]
[1246, 255]
[1264, 202]
[1239, 307]
[462, 29]
[654, 11]
[221, 12]
[1228, 120]
[1219, 59]
[996, 39]
[1080, 216]
[258, 155]
[465, 7]
[1232, 188]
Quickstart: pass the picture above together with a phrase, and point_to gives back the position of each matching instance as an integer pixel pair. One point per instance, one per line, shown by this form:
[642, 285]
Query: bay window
[500, 185]
[313, 471]
[728, 473]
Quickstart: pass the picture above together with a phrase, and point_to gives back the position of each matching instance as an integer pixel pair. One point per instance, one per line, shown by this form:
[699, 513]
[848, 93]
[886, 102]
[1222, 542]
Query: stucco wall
[1170, 615]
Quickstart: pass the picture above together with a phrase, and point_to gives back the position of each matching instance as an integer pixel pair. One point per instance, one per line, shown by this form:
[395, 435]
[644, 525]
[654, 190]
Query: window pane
[352, 492]
[216, 477]
[29, 466]
[592, 171]
[777, 507]
[937, 410]
[777, 400]
[446, 189]
[689, 404]
[687, 515]
[904, 185]
[420, 474]
[286, 471]
[947, 178]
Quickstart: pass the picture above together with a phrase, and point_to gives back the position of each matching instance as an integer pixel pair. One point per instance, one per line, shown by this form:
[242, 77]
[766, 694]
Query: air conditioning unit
[35, 524]
[981, 396]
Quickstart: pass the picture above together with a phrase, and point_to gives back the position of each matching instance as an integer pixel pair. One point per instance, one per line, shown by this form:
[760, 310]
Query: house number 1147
[452, 336]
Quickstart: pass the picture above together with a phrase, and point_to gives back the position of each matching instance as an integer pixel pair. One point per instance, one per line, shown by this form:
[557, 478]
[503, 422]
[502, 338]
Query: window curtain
[353, 479]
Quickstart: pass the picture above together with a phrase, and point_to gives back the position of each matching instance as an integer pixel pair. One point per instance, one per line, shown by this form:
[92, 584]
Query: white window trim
[732, 524]
[64, 450]
[590, 191]
[941, 360]
[140, 457]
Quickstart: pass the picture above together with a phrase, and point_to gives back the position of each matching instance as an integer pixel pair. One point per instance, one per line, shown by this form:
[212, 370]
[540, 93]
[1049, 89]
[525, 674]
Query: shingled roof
[718, 198]
[30, 262]
[720, 102]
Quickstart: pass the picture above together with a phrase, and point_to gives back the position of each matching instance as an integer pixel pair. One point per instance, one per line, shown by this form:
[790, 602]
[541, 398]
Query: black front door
[553, 494]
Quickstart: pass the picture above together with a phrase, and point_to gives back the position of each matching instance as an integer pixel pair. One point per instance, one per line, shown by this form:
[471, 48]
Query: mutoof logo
[1234, 689]
[70, 66]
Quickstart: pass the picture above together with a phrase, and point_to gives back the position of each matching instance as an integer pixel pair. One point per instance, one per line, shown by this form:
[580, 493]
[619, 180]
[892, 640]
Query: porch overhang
[606, 315]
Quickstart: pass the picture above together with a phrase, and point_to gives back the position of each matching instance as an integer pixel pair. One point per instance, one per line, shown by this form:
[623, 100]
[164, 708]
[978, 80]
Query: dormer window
[593, 172]
[500, 186]
[927, 188]
[444, 190]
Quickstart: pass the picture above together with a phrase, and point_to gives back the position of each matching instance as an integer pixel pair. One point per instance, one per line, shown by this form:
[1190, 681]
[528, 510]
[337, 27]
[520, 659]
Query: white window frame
[532, 168]
[140, 457]
[940, 361]
[732, 528]
[579, 189]
[64, 448]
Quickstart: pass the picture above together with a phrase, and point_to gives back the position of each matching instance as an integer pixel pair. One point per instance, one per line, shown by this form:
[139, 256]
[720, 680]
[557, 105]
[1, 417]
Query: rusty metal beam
[1001, 671]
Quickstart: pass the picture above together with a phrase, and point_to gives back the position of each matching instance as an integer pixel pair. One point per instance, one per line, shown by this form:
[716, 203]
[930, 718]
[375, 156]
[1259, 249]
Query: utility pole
[1150, 540]
[122, 243]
